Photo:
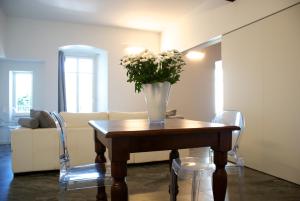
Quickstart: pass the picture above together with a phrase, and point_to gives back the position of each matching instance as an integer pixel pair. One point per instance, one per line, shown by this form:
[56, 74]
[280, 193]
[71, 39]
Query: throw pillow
[44, 117]
[29, 122]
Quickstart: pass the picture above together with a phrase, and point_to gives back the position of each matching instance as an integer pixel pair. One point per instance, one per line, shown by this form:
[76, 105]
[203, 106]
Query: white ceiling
[151, 15]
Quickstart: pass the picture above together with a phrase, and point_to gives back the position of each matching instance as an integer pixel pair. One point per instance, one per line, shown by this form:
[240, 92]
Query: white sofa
[38, 149]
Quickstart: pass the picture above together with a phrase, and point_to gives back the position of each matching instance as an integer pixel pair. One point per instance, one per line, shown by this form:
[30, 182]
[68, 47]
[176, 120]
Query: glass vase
[156, 97]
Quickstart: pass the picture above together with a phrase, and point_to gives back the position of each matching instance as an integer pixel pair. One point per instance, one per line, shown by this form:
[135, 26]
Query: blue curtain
[62, 106]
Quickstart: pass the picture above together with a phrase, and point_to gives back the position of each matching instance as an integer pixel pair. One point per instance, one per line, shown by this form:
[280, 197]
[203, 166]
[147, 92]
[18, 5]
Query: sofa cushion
[29, 122]
[80, 120]
[127, 115]
[44, 117]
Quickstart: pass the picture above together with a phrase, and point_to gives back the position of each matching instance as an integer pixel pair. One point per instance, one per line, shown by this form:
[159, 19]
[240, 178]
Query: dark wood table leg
[219, 182]
[100, 158]
[173, 187]
[119, 190]
[99, 149]
[101, 194]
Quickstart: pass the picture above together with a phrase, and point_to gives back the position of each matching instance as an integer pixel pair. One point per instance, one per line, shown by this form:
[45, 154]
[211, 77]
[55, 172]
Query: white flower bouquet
[147, 67]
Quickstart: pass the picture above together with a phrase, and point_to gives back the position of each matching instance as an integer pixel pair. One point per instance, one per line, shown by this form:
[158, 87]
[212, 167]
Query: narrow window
[79, 78]
[21, 92]
[219, 98]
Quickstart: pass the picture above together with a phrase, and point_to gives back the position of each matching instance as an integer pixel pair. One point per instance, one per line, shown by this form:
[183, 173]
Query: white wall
[34, 39]
[262, 78]
[2, 28]
[193, 95]
[264, 57]
[199, 27]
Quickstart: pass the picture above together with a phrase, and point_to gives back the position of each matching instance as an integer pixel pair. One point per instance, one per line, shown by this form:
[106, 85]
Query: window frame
[93, 57]
[13, 91]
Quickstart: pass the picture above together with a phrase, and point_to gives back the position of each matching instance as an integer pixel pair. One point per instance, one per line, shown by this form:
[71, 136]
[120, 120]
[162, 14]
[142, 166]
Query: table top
[141, 127]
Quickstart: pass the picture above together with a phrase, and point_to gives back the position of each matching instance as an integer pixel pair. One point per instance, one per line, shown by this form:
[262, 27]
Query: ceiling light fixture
[195, 55]
[134, 49]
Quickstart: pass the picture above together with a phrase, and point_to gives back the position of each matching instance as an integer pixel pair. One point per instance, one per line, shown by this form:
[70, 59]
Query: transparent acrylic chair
[78, 177]
[192, 167]
[231, 117]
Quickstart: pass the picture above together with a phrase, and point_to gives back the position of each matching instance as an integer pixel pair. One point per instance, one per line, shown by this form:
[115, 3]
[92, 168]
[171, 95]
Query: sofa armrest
[34, 149]
[21, 146]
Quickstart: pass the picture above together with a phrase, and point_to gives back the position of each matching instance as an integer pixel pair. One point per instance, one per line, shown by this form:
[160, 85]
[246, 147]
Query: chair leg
[101, 193]
[173, 187]
[238, 176]
[211, 156]
[196, 186]
[61, 194]
[241, 183]
[238, 160]
[173, 183]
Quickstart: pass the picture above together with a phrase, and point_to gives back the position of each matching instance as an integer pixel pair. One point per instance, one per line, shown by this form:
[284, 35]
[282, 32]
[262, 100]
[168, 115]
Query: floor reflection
[146, 182]
[6, 175]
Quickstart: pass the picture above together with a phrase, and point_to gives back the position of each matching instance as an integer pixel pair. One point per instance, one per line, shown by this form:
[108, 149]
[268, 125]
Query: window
[219, 98]
[21, 91]
[79, 79]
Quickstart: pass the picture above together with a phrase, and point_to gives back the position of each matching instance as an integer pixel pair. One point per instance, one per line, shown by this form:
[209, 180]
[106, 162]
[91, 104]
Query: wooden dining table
[122, 137]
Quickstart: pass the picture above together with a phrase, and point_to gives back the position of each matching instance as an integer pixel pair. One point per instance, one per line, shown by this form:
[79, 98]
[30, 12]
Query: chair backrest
[64, 158]
[234, 118]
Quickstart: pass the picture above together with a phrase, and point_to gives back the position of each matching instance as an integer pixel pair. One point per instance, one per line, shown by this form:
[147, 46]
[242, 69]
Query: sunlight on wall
[219, 97]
